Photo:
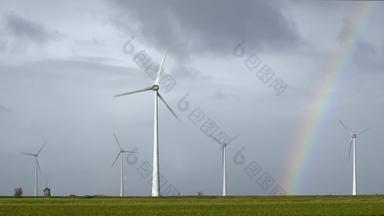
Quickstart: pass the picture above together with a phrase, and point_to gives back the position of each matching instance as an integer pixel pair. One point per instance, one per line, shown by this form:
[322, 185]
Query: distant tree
[200, 193]
[18, 192]
[47, 192]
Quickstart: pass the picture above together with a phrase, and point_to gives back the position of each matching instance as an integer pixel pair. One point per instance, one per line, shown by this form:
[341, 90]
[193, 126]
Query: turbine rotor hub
[155, 87]
[354, 135]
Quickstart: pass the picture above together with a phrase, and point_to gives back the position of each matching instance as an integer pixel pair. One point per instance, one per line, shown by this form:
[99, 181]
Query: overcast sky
[61, 62]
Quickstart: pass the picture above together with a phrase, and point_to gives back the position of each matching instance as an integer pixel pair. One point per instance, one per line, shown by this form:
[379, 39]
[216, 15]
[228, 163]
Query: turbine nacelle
[223, 144]
[155, 87]
[352, 133]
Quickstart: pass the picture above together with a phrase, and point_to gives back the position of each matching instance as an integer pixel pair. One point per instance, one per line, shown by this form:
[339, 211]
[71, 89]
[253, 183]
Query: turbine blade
[133, 92]
[41, 148]
[117, 141]
[29, 154]
[363, 131]
[235, 137]
[166, 104]
[38, 164]
[217, 140]
[226, 144]
[161, 68]
[345, 127]
[117, 157]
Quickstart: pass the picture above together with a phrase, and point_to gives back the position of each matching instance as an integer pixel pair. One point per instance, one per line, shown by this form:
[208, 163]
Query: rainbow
[316, 109]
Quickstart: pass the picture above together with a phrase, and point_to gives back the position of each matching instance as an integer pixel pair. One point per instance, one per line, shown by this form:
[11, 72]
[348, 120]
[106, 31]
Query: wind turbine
[352, 147]
[224, 160]
[121, 152]
[155, 88]
[37, 166]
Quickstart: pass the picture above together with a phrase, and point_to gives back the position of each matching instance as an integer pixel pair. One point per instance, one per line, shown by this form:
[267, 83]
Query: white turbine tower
[37, 167]
[121, 152]
[224, 160]
[352, 147]
[155, 88]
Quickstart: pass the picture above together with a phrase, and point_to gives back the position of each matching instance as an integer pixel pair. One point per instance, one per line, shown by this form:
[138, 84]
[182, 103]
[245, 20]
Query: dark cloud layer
[4, 109]
[209, 26]
[26, 29]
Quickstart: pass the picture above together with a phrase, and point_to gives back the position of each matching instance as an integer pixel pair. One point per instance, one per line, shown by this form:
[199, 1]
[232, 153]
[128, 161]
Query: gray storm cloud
[209, 26]
[26, 29]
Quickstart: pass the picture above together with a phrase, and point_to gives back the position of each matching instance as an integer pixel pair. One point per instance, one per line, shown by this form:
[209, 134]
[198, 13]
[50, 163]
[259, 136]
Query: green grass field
[290, 205]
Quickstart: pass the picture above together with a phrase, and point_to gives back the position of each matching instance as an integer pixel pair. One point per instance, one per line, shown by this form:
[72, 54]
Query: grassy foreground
[290, 205]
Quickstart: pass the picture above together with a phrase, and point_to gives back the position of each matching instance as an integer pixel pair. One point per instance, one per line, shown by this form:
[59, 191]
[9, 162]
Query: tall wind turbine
[352, 147]
[155, 88]
[37, 167]
[224, 160]
[121, 152]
